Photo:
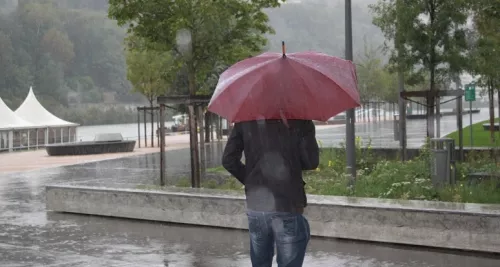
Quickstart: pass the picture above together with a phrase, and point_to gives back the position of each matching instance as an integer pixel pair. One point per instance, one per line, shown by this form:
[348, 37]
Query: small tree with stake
[486, 51]
[430, 37]
[149, 71]
[200, 33]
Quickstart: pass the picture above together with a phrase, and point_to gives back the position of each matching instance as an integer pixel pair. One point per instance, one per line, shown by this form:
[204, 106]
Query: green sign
[470, 92]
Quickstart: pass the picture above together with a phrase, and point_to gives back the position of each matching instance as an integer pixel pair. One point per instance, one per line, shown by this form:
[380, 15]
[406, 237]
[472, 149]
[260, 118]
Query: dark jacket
[275, 156]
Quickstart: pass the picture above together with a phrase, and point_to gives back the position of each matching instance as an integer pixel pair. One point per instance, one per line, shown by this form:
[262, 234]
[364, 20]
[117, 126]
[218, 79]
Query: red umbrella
[307, 85]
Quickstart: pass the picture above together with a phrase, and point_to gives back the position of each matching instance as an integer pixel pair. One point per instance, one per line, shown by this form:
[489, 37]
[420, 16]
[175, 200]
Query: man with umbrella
[273, 99]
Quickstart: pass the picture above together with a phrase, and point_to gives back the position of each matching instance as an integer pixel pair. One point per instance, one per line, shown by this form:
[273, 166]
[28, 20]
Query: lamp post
[401, 85]
[350, 118]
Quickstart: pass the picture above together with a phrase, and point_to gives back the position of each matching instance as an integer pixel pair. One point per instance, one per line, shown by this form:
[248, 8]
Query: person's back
[275, 156]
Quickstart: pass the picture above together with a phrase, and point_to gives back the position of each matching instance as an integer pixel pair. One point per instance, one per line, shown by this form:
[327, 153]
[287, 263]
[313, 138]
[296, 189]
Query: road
[381, 133]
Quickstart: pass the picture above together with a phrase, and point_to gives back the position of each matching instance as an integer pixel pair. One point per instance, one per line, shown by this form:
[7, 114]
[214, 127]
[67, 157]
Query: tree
[486, 51]
[100, 55]
[202, 35]
[199, 32]
[59, 46]
[430, 38]
[150, 71]
[6, 59]
[373, 76]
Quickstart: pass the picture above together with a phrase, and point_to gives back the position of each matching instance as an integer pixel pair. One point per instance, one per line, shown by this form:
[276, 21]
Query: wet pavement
[30, 236]
[381, 133]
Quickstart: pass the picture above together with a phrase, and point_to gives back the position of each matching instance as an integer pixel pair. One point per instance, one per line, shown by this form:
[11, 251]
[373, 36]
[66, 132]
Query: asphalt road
[381, 134]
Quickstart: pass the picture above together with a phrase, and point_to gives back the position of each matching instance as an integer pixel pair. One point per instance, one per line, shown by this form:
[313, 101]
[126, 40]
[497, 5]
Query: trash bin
[396, 127]
[443, 161]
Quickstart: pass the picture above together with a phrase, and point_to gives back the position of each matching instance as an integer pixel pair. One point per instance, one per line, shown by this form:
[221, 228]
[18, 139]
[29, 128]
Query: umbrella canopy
[307, 86]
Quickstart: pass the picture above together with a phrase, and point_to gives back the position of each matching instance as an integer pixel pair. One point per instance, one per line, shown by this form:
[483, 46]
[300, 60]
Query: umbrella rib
[242, 73]
[240, 106]
[308, 91]
[315, 69]
[306, 64]
[324, 75]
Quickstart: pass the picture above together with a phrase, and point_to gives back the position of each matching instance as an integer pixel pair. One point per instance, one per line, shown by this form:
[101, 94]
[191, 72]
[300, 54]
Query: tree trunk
[438, 117]
[161, 134]
[193, 147]
[208, 124]
[145, 129]
[430, 106]
[219, 128]
[193, 129]
[139, 128]
[152, 124]
[202, 142]
[402, 117]
[498, 100]
[492, 111]
[158, 128]
[213, 118]
[432, 67]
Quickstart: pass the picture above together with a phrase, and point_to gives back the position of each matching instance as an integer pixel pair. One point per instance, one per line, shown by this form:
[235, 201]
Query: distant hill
[72, 53]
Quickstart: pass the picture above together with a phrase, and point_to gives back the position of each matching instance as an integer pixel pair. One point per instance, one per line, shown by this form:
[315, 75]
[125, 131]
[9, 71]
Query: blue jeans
[289, 231]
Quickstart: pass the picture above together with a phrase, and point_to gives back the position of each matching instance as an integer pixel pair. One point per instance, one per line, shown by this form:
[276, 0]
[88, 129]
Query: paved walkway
[381, 133]
[38, 159]
[30, 236]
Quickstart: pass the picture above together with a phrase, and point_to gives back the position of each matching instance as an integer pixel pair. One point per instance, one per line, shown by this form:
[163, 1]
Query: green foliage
[481, 138]
[380, 178]
[429, 35]
[151, 72]
[218, 169]
[70, 47]
[333, 159]
[61, 51]
[97, 116]
[203, 34]
[485, 52]
[374, 79]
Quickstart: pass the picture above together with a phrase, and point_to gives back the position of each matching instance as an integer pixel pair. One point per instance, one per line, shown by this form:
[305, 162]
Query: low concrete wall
[435, 224]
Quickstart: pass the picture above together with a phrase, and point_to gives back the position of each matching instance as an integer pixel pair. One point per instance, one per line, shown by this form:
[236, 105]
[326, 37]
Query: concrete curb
[470, 227]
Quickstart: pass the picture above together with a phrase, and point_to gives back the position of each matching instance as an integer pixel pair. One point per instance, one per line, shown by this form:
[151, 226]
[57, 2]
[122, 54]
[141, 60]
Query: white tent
[9, 123]
[9, 120]
[32, 111]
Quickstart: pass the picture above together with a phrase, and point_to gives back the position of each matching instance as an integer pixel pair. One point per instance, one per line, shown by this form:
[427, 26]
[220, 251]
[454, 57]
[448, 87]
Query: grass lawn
[481, 138]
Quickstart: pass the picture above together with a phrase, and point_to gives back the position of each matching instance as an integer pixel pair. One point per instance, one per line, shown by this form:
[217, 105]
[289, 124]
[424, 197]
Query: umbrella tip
[283, 48]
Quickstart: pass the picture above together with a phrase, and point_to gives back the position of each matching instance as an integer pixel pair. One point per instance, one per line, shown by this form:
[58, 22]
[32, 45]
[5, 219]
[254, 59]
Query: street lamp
[350, 115]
